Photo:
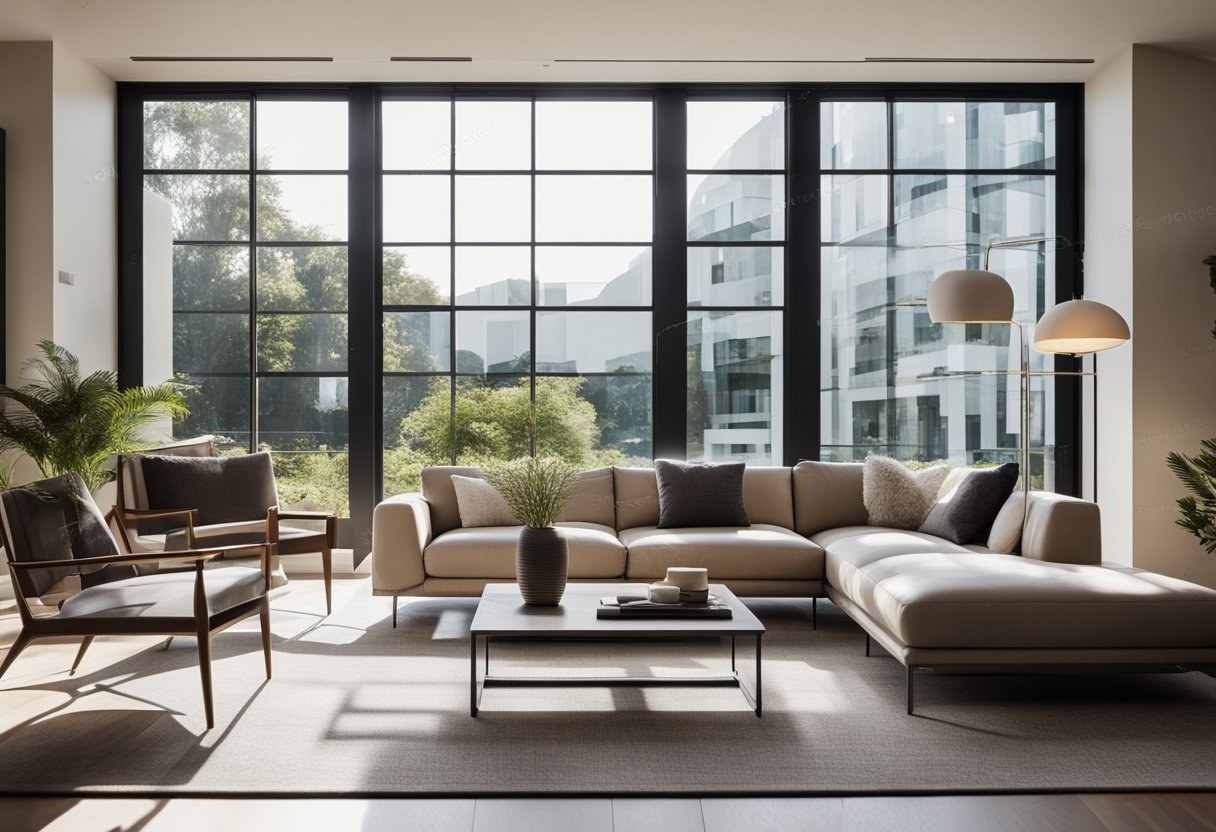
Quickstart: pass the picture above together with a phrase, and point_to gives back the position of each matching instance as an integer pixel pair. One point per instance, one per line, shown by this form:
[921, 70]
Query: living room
[674, 417]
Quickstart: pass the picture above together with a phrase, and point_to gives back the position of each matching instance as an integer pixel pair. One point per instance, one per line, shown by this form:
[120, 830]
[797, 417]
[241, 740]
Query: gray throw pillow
[967, 516]
[693, 494]
[224, 489]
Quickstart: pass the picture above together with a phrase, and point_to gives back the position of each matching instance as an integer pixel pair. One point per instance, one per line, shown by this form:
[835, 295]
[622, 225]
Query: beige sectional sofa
[929, 602]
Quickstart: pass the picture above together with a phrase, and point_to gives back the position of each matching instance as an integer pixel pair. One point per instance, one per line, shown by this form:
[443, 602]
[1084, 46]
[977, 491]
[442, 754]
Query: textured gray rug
[356, 706]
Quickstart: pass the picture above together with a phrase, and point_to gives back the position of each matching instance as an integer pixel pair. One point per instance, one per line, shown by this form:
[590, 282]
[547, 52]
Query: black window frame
[802, 315]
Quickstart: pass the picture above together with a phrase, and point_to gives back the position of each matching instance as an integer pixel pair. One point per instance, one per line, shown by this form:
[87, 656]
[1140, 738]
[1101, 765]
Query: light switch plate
[67, 278]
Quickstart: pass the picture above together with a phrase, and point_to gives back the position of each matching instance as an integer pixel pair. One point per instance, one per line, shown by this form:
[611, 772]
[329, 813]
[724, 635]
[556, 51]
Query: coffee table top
[502, 612]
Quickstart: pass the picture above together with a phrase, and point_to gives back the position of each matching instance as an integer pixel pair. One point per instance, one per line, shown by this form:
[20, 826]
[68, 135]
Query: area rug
[356, 706]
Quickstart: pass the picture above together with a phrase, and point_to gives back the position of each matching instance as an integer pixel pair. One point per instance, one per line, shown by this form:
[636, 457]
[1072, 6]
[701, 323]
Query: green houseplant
[536, 489]
[67, 423]
[1198, 473]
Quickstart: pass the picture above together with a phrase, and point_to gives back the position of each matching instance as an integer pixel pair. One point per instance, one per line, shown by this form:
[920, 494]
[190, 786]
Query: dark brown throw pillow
[967, 516]
[692, 494]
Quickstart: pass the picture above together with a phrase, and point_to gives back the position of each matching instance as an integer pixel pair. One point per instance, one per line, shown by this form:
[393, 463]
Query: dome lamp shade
[970, 296]
[1082, 326]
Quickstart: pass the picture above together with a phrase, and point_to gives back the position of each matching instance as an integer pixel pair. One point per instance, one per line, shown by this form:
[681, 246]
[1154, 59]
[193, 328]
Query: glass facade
[371, 281]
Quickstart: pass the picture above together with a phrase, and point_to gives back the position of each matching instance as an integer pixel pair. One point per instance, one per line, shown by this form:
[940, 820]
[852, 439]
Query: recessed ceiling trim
[824, 61]
[225, 59]
[979, 60]
[424, 59]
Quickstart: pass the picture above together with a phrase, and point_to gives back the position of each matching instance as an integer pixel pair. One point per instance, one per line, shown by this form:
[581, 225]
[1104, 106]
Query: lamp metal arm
[1016, 243]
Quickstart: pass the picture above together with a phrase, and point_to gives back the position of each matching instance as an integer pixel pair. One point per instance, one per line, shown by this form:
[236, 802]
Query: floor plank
[555, 815]
[658, 815]
[992, 813]
[1154, 812]
[759, 814]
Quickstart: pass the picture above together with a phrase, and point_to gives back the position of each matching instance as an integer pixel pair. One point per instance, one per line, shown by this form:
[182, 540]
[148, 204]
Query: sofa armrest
[1062, 529]
[401, 531]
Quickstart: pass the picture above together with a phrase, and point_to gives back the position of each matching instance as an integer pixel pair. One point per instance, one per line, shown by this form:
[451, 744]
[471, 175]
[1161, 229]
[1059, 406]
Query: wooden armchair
[70, 580]
[168, 501]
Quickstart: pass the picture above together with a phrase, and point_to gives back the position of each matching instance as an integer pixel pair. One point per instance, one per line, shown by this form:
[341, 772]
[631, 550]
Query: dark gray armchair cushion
[224, 489]
[700, 495]
[56, 519]
[967, 517]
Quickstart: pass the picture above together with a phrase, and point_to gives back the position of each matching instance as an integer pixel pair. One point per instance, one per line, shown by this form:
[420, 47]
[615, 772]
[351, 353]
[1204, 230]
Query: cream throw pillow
[897, 497]
[480, 504]
[1006, 531]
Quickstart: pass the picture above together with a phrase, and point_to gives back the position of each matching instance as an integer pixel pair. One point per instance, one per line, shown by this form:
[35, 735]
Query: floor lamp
[1075, 327]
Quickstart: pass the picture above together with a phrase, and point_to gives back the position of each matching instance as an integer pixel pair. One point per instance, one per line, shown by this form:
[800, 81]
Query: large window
[370, 279]
[516, 282]
[911, 189]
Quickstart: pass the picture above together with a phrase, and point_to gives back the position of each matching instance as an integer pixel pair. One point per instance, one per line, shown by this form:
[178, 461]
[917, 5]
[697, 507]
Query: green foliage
[535, 488]
[1198, 474]
[67, 423]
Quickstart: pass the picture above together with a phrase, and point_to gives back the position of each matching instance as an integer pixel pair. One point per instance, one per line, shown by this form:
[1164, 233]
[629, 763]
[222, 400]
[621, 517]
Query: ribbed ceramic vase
[541, 563]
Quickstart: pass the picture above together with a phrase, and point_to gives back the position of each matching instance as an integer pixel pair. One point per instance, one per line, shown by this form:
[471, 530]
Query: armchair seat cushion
[165, 594]
[489, 552]
[757, 552]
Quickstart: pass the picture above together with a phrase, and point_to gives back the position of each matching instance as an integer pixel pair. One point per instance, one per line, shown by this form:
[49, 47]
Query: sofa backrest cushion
[768, 495]
[440, 494]
[592, 500]
[828, 495]
[637, 497]
[1062, 529]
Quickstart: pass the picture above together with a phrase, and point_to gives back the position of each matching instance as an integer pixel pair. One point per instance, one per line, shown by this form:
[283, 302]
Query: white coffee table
[502, 614]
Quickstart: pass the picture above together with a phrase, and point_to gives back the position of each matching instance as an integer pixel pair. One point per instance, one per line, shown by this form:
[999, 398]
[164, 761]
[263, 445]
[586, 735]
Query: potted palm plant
[66, 423]
[536, 489]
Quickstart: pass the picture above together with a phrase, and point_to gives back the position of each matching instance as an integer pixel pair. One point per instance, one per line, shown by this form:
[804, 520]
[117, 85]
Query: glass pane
[990, 134]
[594, 209]
[736, 207]
[304, 421]
[493, 275]
[417, 342]
[214, 278]
[493, 342]
[302, 135]
[417, 209]
[854, 209]
[417, 135]
[206, 342]
[593, 276]
[417, 429]
[721, 276]
[493, 419]
[493, 209]
[596, 420]
[853, 134]
[304, 208]
[208, 207]
[301, 343]
[302, 279]
[593, 342]
[196, 135]
[493, 135]
[418, 276]
[735, 400]
[218, 406]
[940, 209]
[736, 135]
[594, 135]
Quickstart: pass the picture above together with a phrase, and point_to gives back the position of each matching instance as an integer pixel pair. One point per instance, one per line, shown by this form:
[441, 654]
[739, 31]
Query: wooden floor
[1023, 813]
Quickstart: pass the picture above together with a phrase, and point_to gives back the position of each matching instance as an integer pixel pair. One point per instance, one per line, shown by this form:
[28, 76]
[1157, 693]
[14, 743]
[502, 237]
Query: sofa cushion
[828, 495]
[950, 600]
[700, 494]
[440, 494]
[759, 551]
[489, 552]
[637, 497]
[851, 548]
[768, 495]
[591, 500]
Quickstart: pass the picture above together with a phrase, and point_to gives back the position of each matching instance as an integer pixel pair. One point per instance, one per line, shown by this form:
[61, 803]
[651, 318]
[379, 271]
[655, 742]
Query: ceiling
[532, 40]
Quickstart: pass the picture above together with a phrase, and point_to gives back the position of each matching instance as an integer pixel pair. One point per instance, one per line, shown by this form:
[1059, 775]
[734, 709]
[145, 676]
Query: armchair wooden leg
[204, 669]
[394, 612]
[265, 618]
[21, 642]
[84, 645]
[327, 566]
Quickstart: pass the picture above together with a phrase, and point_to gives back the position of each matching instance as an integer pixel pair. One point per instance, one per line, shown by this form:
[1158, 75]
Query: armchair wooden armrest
[303, 515]
[118, 560]
[275, 514]
[149, 513]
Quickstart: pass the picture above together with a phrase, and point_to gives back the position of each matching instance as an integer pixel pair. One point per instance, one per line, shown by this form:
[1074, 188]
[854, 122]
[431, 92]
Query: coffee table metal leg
[759, 681]
[473, 691]
[732, 654]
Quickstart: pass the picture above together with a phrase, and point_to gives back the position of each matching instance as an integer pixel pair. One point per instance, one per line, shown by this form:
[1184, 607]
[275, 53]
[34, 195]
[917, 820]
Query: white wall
[1151, 180]
[85, 314]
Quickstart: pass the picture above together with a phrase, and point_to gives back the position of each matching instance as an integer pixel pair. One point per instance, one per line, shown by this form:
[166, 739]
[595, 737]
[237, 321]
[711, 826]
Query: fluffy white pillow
[897, 497]
[480, 504]
[1006, 531]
